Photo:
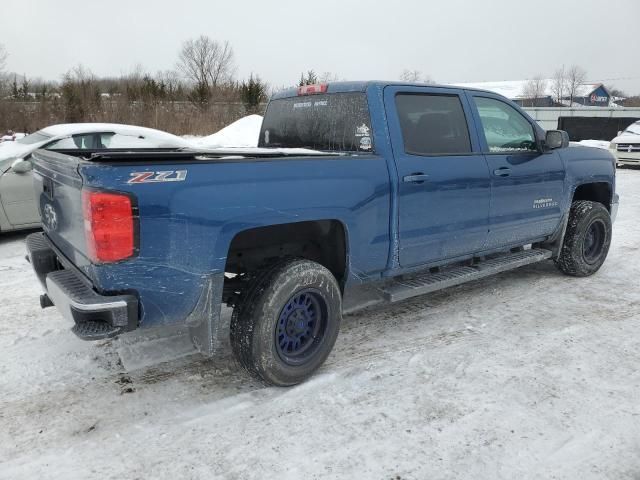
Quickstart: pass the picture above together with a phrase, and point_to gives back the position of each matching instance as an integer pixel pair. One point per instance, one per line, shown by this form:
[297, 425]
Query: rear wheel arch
[323, 241]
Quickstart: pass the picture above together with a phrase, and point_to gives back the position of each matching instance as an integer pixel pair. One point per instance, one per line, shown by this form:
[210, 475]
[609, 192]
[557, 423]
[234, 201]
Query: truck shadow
[8, 237]
[223, 373]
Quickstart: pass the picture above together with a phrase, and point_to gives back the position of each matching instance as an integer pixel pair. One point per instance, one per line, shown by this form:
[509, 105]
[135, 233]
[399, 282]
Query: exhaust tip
[45, 301]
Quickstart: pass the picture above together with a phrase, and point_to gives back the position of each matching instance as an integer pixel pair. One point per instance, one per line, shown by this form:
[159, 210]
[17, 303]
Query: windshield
[328, 122]
[634, 128]
[37, 137]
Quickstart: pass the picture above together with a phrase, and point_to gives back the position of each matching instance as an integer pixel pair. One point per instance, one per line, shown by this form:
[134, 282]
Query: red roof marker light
[313, 89]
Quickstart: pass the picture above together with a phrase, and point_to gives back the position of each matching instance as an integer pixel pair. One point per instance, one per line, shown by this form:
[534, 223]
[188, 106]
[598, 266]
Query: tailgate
[58, 188]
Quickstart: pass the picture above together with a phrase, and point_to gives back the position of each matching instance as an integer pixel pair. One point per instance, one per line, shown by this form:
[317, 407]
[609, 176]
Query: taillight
[109, 226]
[312, 89]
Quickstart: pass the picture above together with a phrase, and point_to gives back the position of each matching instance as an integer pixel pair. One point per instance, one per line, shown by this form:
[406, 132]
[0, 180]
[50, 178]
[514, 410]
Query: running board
[411, 286]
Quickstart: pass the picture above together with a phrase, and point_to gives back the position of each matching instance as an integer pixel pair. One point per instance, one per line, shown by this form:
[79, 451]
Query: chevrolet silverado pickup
[400, 188]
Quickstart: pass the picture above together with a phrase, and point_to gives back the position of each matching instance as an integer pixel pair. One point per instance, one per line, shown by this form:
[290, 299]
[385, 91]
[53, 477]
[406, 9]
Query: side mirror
[556, 139]
[21, 166]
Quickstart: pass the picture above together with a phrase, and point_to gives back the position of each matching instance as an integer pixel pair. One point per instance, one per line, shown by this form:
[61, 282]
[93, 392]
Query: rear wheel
[587, 239]
[287, 322]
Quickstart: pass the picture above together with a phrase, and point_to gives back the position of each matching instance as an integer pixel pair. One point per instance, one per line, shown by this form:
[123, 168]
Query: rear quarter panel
[186, 227]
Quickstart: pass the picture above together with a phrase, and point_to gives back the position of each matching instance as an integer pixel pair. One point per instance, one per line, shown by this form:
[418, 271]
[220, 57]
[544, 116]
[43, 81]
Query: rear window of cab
[334, 122]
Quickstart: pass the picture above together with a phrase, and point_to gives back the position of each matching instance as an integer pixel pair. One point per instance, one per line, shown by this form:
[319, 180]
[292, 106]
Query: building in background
[587, 94]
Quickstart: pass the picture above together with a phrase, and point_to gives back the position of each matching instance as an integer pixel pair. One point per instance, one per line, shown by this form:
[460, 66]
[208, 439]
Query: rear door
[527, 184]
[443, 179]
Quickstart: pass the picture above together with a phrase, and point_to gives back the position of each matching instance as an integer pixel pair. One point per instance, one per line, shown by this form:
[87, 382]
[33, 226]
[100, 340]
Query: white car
[18, 208]
[626, 146]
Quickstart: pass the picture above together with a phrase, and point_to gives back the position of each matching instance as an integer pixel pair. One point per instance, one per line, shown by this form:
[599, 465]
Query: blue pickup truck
[400, 188]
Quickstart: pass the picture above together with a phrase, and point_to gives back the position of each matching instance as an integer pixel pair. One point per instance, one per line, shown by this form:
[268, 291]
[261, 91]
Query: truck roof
[361, 86]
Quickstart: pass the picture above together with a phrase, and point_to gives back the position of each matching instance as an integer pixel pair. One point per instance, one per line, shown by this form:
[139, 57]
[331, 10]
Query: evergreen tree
[253, 93]
[311, 78]
[24, 89]
[15, 93]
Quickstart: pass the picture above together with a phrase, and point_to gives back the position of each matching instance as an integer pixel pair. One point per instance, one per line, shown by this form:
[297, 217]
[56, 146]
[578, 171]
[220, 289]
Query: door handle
[415, 178]
[502, 172]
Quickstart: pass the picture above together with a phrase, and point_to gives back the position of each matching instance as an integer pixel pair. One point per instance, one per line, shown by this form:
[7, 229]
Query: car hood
[10, 150]
[627, 138]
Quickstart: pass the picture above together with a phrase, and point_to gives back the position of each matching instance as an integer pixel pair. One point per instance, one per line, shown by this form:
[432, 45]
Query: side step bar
[422, 283]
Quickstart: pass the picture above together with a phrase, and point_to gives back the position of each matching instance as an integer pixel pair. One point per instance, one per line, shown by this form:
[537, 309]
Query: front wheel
[587, 239]
[285, 326]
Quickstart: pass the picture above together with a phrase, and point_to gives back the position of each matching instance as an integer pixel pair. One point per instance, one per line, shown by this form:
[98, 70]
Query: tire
[587, 239]
[287, 321]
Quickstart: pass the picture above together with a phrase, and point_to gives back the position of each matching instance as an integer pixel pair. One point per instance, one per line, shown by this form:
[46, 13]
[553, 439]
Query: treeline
[200, 96]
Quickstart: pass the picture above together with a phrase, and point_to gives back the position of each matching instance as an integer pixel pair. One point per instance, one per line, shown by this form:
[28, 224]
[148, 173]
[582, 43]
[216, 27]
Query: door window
[101, 141]
[85, 141]
[433, 124]
[505, 129]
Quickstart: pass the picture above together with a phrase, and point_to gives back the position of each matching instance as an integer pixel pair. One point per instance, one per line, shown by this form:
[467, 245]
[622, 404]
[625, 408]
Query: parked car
[405, 189]
[626, 146]
[10, 136]
[18, 209]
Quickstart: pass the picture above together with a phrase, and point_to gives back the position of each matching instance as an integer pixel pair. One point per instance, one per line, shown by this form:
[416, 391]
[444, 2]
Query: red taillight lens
[313, 89]
[108, 226]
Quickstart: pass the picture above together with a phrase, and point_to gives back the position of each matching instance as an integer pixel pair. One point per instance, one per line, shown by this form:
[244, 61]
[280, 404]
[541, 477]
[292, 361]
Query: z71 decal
[155, 177]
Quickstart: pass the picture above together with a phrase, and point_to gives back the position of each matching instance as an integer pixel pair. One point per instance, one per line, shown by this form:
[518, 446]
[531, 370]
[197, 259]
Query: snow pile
[603, 144]
[241, 133]
[11, 138]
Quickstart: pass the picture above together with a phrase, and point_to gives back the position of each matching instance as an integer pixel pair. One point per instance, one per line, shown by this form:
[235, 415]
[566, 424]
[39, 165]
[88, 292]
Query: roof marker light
[313, 89]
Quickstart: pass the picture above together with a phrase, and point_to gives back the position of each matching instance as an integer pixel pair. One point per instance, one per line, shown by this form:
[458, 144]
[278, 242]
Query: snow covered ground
[527, 375]
[593, 143]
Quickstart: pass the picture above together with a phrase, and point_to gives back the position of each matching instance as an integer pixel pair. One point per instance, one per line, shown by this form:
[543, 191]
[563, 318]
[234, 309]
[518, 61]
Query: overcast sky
[450, 40]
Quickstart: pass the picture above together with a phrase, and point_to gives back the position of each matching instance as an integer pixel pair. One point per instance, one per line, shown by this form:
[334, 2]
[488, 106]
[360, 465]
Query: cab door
[527, 184]
[442, 177]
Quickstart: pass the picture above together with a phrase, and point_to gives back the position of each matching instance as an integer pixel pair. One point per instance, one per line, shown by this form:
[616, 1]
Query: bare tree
[411, 76]
[3, 63]
[207, 63]
[617, 92]
[3, 58]
[171, 79]
[415, 76]
[575, 77]
[328, 77]
[534, 89]
[559, 84]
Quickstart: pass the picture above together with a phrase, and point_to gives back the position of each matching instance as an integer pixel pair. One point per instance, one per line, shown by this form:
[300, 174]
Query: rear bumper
[95, 316]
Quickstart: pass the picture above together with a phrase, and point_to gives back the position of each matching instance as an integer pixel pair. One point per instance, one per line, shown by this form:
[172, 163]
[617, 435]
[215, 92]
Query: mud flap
[204, 320]
[557, 239]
